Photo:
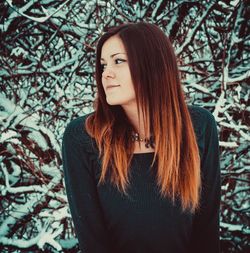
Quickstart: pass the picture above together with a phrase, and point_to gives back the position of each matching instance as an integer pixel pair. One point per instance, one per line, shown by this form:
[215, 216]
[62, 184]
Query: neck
[136, 121]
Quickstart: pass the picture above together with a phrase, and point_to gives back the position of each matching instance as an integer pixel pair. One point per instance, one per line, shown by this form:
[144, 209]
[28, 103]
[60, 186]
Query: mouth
[109, 87]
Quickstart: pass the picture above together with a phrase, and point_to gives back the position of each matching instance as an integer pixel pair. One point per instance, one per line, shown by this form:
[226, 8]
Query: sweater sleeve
[81, 191]
[205, 236]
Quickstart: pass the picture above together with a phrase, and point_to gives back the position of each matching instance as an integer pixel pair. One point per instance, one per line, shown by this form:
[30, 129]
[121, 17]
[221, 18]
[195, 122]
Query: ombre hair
[159, 95]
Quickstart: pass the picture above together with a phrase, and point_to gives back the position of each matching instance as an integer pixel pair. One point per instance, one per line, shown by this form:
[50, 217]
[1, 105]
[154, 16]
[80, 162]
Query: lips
[111, 86]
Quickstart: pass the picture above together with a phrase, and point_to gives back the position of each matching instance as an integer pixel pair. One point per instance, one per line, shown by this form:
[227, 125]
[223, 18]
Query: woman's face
[116, 76]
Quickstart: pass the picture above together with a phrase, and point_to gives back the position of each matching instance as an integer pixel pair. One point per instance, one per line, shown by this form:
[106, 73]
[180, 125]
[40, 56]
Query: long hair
[155, 76]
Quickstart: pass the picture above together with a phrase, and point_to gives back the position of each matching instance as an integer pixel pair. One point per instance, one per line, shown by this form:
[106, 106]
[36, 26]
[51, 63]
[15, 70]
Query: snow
[48, 13]
[39, 139]
[233, 227]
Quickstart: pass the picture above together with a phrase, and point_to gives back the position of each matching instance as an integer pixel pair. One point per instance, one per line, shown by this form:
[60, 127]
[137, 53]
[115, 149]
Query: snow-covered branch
[47, 13]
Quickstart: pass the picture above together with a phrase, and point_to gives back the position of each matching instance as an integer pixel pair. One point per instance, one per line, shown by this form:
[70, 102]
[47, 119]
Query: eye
[117, 61]
[103, 66]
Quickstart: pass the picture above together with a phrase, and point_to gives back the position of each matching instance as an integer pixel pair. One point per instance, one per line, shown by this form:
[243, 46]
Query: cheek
[103, 80]
[130, 84]
[128, 78]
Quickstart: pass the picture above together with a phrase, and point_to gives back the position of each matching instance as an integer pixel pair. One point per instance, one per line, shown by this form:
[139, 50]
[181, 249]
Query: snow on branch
[45, 11]
[192, 32]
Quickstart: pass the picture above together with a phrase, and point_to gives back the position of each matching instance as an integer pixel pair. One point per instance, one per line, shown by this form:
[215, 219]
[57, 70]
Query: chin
[110, 102]
[113, 101]
[116, 101]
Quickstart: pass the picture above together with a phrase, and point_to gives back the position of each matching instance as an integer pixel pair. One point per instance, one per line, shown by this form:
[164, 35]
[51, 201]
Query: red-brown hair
[155, 76]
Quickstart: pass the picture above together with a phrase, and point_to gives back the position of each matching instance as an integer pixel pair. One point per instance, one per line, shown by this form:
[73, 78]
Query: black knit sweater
[107, 221]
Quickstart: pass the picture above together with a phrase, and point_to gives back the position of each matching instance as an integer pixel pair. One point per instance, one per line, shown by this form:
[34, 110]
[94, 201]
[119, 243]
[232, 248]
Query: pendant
[149, 142]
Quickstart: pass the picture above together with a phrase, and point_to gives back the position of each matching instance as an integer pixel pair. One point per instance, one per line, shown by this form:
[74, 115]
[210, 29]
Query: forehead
[112, 46]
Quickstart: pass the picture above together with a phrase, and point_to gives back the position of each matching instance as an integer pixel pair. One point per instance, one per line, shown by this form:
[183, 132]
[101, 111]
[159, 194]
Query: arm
[205, 237]
[82, 194]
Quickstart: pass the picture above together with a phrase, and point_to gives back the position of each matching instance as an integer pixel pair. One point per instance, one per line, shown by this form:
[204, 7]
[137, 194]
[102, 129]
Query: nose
[108, 73]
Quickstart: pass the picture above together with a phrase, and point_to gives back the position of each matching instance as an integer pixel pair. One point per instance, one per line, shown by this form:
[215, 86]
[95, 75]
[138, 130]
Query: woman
[142, 171]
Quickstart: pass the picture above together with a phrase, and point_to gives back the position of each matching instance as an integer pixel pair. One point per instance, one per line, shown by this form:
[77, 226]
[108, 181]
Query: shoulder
[205, 128]
[202, 119]
[75, 131]
[200, 114]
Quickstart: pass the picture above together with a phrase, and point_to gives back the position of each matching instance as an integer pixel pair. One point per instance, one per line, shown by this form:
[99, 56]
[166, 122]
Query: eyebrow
[111, 56]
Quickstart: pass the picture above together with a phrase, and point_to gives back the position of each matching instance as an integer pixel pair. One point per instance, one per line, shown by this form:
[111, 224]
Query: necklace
[149, 142]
